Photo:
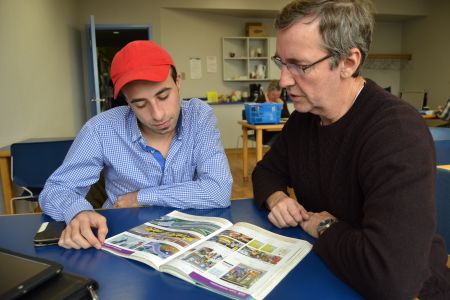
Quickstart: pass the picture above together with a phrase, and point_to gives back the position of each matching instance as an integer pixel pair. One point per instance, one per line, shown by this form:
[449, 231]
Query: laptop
[21, 273]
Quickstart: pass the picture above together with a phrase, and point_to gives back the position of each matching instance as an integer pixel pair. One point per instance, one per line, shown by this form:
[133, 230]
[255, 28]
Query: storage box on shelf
[257, 30]
[248, 59]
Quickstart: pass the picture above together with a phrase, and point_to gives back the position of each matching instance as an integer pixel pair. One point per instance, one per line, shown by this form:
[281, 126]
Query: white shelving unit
[242, 56]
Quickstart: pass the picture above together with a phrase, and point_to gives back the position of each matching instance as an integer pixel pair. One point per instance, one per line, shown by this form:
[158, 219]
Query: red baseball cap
[139, 60]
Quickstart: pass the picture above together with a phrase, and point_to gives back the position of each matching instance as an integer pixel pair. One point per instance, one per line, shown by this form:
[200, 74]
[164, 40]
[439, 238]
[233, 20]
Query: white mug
[260, 71]
[259, 52]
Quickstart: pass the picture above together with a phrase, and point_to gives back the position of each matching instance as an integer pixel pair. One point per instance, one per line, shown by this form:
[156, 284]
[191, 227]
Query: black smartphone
[49, 233]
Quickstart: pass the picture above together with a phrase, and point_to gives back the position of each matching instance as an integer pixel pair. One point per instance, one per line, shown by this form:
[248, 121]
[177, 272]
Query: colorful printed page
[242, 262]
[159, 241]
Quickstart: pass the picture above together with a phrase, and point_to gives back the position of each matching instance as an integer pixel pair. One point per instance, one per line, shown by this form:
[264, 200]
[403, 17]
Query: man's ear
[351, 63]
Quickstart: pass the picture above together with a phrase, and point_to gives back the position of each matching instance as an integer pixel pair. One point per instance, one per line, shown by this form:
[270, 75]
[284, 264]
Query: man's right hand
[285, 211]
[78, 233]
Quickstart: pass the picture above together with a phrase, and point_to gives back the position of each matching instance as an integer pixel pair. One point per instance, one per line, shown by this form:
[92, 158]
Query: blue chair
[441, 137]
[443, 205]
[32, 163]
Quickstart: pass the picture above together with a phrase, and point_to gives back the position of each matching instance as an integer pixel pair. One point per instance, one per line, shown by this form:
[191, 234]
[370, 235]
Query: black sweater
[374, 169]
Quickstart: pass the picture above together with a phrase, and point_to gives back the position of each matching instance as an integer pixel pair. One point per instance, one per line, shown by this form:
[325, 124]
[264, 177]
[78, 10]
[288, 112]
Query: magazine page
[163, 239]
[242, 262]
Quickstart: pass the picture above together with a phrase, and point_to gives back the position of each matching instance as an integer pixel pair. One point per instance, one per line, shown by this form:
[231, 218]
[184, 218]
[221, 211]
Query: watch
[324, 225]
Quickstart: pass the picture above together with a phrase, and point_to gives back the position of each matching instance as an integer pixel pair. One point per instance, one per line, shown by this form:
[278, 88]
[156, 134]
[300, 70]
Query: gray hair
[343, 24]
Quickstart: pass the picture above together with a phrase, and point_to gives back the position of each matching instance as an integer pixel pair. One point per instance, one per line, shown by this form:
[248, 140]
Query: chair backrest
[441, 137]
[33, 162]
[443, 205]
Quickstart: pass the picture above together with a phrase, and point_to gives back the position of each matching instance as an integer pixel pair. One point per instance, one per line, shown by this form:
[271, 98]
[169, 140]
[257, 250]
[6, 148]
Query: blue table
[121, 278]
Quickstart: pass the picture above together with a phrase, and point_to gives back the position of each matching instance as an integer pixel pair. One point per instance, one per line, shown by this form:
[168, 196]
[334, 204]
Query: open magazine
[240, 261]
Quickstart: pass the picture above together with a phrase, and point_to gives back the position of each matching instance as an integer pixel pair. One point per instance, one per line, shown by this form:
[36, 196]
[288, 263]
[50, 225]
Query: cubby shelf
[242, 56]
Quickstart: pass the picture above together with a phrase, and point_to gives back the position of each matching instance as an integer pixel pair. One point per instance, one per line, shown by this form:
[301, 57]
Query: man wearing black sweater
[360, 160]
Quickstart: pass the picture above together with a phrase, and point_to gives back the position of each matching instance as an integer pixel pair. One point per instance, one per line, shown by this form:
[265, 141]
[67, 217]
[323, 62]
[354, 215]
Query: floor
[241, 189]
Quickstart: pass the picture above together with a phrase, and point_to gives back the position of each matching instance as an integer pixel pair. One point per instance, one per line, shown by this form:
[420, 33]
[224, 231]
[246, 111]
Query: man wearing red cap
[158, 150]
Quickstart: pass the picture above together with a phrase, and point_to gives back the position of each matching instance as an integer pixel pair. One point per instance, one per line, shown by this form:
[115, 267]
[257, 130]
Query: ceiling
[271, 14]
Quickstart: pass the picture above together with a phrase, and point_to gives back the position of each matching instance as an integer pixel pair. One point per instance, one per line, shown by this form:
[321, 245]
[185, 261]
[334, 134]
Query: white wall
[41, 70]
[201, 36]
[387, 38]
[40, 74]
[428, 40]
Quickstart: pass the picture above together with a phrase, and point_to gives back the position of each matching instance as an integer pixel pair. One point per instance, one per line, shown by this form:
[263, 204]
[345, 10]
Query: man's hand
[78, 233]
[285, 211]
[127, 200]
[310, 226]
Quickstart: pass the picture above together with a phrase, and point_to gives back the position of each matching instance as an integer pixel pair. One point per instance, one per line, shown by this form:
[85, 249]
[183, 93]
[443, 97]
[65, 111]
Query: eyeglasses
[295, 69]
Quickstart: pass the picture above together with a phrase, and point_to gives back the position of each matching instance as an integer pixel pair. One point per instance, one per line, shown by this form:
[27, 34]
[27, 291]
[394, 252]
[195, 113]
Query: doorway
[104, 42]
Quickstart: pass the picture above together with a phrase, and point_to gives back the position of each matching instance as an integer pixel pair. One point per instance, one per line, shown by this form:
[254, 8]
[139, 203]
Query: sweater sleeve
[386, 255]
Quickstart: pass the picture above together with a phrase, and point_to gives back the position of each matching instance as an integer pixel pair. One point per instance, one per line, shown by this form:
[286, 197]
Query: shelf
[389, 56]
[387, 61]
[248, 59]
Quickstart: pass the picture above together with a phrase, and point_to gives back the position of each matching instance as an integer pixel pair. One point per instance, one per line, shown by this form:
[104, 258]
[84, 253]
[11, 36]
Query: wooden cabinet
[248, 59]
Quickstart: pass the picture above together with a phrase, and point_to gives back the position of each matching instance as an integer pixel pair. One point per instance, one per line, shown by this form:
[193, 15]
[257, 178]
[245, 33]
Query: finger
[78, 237]
[61, 241]
[88, 238]
[68, 241]
[289, 213]
[305, 214]
[299, 213]
[292, 216]
[102, 229]
[278, 218]
[273, 220]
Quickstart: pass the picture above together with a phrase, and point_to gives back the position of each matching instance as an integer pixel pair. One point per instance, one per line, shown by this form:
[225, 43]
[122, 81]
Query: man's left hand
[127, 200]
[310, 225]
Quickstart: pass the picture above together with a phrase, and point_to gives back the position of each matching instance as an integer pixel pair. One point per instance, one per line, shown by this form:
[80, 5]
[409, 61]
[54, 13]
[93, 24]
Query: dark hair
[173, 73]
[343, 24]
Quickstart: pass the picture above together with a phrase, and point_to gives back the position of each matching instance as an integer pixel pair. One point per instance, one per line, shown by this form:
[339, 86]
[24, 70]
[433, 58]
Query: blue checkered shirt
[196, 173]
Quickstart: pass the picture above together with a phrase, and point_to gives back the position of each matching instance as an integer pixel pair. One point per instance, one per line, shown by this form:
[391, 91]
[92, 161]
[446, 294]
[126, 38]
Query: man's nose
[157, 111]
[286, 78]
